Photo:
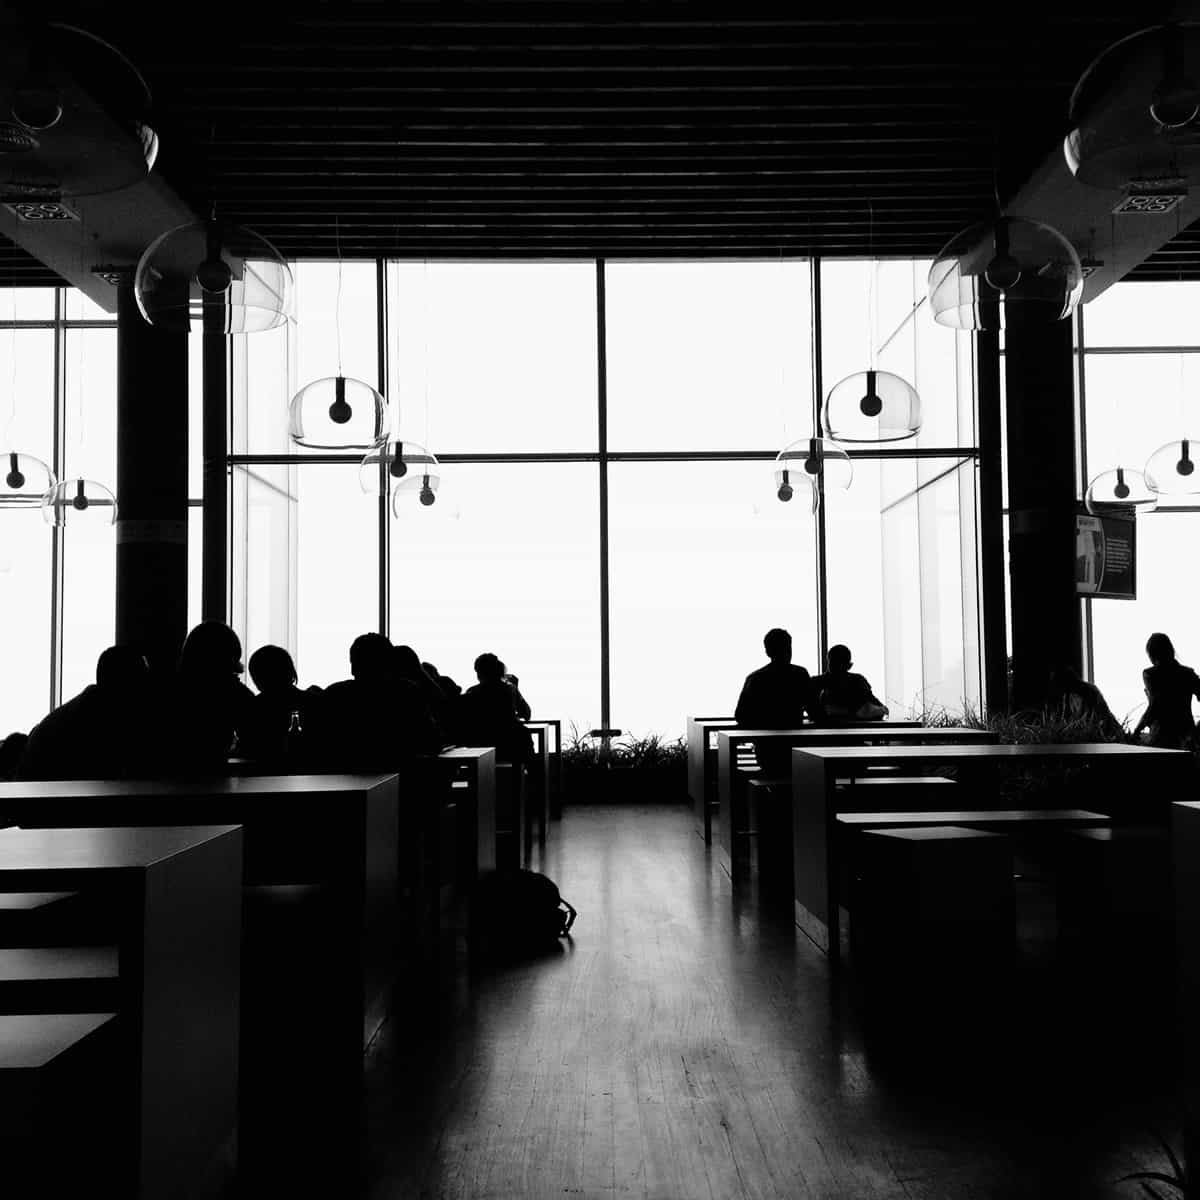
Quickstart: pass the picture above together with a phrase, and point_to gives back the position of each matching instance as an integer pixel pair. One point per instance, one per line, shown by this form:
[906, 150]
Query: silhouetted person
[374, 720]
[777, 696]
[407, 665]
[282, 717]
[12, 750]
[447, 684]
[1075, 699]
[1170, 687]
[486, 714]
[520, 704]
[99, 734]
[211, 706]
[846, 695]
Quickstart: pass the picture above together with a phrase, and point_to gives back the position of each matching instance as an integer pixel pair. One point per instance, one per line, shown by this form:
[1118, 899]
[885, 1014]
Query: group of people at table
[130, 724]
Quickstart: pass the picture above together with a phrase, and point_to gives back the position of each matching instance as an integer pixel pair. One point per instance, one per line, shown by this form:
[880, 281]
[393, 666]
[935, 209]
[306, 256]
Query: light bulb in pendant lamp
[338, 413]
[1010, 273]
[25, 480]
[872, 406]
[1134, 114]
[215, 278]
[80, 503]
[1122, 490]
[398, 462]
[1171, 469]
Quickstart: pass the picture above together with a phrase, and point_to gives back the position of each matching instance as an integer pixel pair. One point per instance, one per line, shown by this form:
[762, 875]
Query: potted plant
[623, 769]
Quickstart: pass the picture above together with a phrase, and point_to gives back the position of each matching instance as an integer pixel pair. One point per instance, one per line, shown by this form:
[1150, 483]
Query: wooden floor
[690, 1044]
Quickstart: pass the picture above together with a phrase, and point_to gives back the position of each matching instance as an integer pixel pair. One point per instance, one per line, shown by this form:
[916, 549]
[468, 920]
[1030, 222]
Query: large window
[1141, 389]
[607, 521]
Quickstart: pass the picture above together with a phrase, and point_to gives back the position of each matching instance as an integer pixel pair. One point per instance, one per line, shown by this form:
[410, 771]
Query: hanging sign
[1105, 563]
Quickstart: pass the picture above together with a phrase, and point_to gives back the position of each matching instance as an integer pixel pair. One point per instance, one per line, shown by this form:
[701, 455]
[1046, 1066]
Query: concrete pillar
[1042, 499]
[152, 479]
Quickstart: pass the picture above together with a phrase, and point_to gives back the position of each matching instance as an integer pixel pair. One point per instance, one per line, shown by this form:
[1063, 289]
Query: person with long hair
[1170, 687]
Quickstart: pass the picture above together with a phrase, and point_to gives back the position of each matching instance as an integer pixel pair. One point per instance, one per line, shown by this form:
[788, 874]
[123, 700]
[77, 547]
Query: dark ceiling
[439, 128]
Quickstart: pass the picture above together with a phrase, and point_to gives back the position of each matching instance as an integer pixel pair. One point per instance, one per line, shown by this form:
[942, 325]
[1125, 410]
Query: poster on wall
[1105, 567]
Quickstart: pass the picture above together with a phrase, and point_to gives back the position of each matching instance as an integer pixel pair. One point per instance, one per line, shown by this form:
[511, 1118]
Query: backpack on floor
[517, 911]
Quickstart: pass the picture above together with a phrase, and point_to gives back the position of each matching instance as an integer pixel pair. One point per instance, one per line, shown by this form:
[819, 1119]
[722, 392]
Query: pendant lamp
[24, 480]
[400, 459]
[1171, 469]
[213, 277]
[872, 406]
[73, 115]
[419, 477]
[338, 413]
[1122, 490]
[1135, 116]
[1005, 274]
[79, 502]
[813, 464]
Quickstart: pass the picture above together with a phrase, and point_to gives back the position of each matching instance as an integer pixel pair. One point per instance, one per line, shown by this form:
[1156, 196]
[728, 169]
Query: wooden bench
[513, 841]
[64, 979]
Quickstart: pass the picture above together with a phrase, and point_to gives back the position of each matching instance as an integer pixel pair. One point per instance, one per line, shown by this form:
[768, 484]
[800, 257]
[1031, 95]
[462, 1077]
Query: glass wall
[58, 401]
[1141, 389]
[607, 435]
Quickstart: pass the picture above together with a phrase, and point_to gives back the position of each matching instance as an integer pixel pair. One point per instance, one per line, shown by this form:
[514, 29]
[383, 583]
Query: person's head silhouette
[371, 658]
[778, 645]
[211, 652]
[407, 663]
[122, 671]
[1159, 649]
[488, 668]
[839, 659]
[272, 670]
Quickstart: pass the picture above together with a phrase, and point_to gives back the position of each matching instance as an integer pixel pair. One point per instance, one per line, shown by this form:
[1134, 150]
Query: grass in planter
[650, 752]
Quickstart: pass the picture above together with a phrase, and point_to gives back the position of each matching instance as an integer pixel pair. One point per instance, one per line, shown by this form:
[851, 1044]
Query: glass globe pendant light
[213, 277]
[872, 406]
[1122, 490]
[24, 481]
[812, 463]
[338, 413]
[1171, 469]
[1005, 274]
[79, 502]
[1134, 114]
[400, 459]
[422, 480]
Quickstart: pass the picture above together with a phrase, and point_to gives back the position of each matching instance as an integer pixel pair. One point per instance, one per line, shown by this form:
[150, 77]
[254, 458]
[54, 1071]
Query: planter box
[625, 785]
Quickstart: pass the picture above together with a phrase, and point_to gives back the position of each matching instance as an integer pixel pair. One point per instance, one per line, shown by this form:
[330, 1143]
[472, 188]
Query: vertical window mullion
[602, 447]
[819, 518]
[384, 528]
[58, 465]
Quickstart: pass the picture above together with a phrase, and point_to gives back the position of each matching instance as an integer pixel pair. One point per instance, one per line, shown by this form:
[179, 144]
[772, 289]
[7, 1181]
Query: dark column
[1042, 502]
[152, 443]
[991, 523]
[214, 589]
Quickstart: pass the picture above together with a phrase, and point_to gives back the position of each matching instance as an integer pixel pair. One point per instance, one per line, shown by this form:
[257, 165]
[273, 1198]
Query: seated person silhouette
[272, 735]
[210, 707]
[1170, 687]
[847, 696]
[777, 696]
[99, 733]
[520, 704]
[1075, 699]
[485, 715]
[12, 750]
[407, 665]
[447, 684]
[375, 720]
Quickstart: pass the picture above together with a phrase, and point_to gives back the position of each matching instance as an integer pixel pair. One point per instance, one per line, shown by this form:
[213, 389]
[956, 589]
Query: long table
[732, 742]
[337, 831]
[816, 799]
[176, 894]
